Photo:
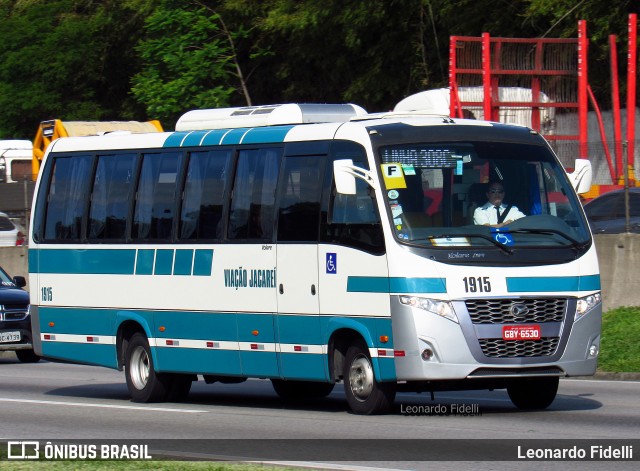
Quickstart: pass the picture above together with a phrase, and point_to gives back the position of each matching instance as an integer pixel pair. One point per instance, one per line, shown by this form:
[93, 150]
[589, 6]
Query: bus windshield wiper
[575, 244]
[502, 247]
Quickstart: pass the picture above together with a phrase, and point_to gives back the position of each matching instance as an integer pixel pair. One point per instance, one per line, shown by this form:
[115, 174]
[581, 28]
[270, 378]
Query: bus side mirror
[343, 176]
[581, 176]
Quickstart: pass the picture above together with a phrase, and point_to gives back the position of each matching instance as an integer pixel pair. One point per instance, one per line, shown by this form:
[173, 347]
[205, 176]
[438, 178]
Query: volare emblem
[518, 309]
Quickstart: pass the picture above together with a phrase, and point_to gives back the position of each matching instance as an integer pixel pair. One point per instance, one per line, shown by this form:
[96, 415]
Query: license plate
[521, 332]
[9, 337]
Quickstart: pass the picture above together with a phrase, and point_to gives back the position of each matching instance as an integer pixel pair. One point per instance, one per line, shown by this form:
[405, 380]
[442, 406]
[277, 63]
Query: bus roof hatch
[267, 115]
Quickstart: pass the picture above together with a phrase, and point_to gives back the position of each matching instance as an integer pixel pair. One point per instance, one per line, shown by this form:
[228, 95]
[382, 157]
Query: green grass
[620, 342]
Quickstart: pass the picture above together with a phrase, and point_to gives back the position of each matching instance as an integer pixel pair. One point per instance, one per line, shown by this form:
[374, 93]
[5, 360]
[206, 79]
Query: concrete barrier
[619, 259]
[15, 262]
[618, 256]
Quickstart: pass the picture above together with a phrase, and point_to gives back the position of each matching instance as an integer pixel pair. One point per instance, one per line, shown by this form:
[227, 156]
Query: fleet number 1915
[477, 284]
[47, 293]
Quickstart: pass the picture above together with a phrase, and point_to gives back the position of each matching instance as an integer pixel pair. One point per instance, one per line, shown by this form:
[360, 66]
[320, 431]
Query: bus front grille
[516, 311]
[498, 348]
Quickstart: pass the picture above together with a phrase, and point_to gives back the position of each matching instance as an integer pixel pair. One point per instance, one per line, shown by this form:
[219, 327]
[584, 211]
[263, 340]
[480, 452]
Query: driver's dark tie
[498, 212]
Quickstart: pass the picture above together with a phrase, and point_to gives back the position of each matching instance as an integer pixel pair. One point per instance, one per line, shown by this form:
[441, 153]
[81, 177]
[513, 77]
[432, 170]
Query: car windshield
[5, 279]
[5, 223]
[480, 194]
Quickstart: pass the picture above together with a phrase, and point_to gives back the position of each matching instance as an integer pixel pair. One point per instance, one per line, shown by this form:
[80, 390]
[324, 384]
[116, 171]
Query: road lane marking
[102, 406]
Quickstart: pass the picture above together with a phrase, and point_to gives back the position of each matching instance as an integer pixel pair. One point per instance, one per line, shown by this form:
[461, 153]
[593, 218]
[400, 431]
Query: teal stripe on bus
[88, 354]
[121, 261]
[164, 262]
[299, 329]
[417, 285]
[266, 135]
[84, 261]
[144, 263]
[214, 138]
[183, 262]
[189, 360]
[553, 283]
[234, 136]
[254, 328]
[380, 284]
[261, 135]
[202, 262]
[368, 284]
[78, 320]
[33, 265]
[175, 139]
[193, 138]
[218, 326]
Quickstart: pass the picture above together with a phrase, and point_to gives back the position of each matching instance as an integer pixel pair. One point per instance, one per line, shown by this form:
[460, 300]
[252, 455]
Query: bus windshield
[480, 194]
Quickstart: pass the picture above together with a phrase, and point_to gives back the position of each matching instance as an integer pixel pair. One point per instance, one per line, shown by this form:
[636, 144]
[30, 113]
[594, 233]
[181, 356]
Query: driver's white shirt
[487, 214]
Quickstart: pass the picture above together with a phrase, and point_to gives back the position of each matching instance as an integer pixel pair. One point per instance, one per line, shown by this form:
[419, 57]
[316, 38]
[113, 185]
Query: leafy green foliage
[65, 59]
[155, 59]
[188, 61]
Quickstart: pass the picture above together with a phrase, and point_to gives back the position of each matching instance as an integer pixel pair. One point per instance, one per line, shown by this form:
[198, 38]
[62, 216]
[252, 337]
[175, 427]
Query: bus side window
[66, 203]
[110, 196]
[299, 204]
[156, 195]
[351, 220]
[204, 193]
[251, 215]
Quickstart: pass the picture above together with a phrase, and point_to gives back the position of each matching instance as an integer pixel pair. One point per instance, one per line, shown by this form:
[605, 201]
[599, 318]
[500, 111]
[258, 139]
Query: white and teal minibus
[312, 245]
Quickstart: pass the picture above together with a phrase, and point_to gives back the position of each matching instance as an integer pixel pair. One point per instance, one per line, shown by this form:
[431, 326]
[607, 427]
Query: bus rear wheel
[365, 394]
[144, 384]
[533, 393]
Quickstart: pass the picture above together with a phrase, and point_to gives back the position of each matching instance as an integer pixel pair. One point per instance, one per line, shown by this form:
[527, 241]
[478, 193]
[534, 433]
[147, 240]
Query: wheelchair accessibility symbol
[332, 263]
[502, 238]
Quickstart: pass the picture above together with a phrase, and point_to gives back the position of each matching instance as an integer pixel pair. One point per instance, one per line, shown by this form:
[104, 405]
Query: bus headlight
[434, 306]
[586, 304]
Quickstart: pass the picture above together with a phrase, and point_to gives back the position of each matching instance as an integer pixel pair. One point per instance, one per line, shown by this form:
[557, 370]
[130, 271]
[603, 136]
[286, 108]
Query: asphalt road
[55, 401]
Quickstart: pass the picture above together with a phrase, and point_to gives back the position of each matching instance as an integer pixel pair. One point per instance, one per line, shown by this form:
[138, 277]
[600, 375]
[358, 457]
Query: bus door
[354, 274]
[298, 323]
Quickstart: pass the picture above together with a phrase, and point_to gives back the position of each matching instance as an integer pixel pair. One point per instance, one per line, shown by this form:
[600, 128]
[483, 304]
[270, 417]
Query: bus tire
[297, 390]
[144, 384]
[533, 393]
[179, 387]
[365, 394]
[27, 356]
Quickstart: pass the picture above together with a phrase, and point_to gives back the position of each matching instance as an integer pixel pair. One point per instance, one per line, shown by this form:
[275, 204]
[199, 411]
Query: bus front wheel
[533, 393]
[365, 394]
[144, 384]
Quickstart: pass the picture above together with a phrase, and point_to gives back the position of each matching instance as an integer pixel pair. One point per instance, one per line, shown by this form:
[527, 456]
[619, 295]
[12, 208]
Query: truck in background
[15, 160]
[52, 129]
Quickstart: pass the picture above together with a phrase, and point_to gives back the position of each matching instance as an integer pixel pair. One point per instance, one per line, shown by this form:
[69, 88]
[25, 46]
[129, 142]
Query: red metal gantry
[541, 83]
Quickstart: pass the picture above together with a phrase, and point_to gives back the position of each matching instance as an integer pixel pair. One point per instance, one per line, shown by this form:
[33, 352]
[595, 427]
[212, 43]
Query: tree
[369, 52]
[189, 61]
[67, 59]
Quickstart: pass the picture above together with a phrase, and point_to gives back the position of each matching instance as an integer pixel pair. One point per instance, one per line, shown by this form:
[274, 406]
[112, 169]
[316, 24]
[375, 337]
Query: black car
[606, 213]
[15, 321]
